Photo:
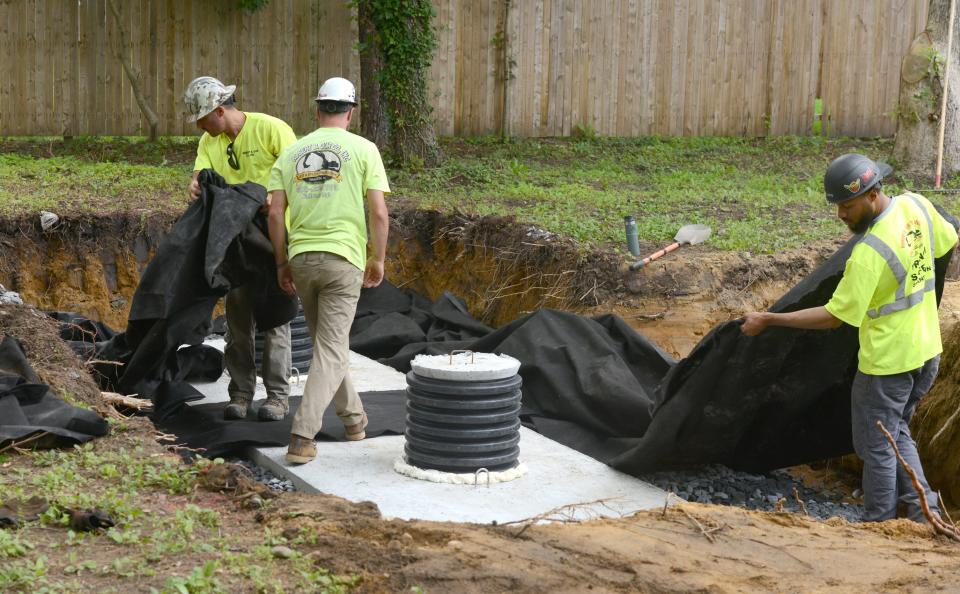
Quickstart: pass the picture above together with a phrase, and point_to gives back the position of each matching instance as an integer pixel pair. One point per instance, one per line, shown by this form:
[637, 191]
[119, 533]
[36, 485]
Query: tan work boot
[301, 449]
[237, 409]
[274, 409]
[356, 432]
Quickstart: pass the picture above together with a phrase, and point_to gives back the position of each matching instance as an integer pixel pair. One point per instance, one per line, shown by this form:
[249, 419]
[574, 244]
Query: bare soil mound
[687, 548]
[936, 424]
[52, 359]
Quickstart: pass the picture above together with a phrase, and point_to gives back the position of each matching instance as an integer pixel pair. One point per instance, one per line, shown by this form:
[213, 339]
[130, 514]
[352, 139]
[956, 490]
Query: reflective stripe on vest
[901, 302]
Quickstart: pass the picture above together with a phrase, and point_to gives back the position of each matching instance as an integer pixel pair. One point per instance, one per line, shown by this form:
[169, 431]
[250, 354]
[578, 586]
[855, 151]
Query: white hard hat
[337, 89]
[204, 94]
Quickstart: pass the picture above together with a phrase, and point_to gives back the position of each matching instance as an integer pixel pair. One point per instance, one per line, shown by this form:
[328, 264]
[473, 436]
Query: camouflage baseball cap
[204, 94]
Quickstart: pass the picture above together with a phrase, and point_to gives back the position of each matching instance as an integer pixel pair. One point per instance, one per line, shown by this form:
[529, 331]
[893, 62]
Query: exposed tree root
[940, 526]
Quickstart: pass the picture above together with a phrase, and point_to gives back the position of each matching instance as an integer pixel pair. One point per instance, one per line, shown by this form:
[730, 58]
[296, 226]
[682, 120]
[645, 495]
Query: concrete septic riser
[463, 417]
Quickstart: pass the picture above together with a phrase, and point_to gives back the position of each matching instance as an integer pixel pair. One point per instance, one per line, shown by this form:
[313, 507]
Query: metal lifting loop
[461, 351]
[476, 477]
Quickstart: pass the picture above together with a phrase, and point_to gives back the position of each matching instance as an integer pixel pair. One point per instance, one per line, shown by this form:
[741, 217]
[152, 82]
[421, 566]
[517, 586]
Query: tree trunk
[374, 125]
[921, 94]
[124, 56]
[505, 63]
[398, 122]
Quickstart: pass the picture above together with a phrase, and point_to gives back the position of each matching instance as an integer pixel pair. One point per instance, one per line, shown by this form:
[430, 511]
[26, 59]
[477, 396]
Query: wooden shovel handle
[655, 255]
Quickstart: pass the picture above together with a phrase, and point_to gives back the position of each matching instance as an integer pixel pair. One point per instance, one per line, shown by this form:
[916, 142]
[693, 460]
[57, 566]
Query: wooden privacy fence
[535, 67]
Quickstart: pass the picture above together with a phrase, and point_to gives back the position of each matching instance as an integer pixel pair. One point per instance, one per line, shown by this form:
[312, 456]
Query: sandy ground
[687, 548]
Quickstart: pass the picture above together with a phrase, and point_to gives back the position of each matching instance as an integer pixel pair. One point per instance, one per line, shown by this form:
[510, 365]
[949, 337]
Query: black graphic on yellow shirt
[919, 269]
[318, 167]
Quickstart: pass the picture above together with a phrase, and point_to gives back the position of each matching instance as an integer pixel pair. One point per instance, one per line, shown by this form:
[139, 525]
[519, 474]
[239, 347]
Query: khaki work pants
[329, 288]
[238, 355]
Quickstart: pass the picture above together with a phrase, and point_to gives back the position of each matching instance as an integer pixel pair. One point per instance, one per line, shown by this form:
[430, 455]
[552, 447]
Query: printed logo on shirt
[919, 249]
[318, 163]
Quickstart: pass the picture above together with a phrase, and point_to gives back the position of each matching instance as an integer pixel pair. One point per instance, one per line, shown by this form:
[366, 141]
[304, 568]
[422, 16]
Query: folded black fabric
[202, 426]
[220, 242]
[28, 407]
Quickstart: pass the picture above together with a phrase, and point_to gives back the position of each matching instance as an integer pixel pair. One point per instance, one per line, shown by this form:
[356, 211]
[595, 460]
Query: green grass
[70, 185]
[180, 549]
[760, 195]
[757, 194]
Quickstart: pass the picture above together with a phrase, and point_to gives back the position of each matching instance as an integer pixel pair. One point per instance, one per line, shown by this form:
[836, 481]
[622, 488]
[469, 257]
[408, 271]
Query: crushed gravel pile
[264, 476]
[722, 486]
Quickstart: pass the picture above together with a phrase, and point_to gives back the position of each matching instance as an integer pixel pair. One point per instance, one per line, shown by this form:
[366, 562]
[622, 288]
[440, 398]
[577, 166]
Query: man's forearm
[814, 318]
[379, 226]
[277, 227]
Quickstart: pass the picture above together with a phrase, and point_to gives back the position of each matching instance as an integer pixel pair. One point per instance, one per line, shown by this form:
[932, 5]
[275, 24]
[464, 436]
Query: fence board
[620, 67]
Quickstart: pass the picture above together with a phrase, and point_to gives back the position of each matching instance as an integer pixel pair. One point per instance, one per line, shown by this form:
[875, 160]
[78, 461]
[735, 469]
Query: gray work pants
[329, 288]
[238, 356]
[891, 399]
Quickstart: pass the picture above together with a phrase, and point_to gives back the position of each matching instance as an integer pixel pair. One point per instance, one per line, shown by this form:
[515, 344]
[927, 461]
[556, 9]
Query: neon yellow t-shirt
[902, 340]
[326, 175]
[260, 141]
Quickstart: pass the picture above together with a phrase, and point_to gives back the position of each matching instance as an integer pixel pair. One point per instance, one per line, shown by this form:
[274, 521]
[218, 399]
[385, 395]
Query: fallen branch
[707, 532]
[782, 550]
[101, 362]
[566, 513]
[16, 445]
[650, 317]
[126, 401]
[803, 508]
[939, 526]
[943, 508]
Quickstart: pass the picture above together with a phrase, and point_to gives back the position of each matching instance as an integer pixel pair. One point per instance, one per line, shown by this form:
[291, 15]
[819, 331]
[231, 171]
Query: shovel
[687, 235]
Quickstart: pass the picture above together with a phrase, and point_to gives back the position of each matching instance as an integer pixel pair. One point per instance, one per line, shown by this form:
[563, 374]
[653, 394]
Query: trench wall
[92, 266]
[89, 266]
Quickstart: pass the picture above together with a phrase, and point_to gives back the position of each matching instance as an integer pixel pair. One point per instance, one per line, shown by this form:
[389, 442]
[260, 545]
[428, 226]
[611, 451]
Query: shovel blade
[692, 234]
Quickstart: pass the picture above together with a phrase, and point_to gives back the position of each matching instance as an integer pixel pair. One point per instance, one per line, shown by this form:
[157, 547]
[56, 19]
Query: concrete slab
[556, 475]
[367, 375]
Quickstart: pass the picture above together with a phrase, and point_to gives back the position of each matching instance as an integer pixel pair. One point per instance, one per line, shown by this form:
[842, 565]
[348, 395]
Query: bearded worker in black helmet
[887, 291]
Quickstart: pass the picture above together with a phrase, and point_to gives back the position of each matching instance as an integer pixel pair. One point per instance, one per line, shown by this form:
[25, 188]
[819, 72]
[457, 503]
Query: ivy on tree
[396, 49]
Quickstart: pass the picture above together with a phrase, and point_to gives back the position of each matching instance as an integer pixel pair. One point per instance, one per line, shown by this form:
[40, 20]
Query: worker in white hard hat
[242, 147]
[322, 182]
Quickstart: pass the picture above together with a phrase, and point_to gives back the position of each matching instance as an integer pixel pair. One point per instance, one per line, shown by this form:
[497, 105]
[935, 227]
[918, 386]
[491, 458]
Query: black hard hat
[851, 175]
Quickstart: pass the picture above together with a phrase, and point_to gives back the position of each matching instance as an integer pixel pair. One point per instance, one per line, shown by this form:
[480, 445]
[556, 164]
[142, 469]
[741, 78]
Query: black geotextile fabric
[218, 243]
[28, 407]
[599, 387]
[202, 426]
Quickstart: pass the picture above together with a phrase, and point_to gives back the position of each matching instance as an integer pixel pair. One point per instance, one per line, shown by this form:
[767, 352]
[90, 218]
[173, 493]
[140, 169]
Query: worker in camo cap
[242, 147]
[887, 291]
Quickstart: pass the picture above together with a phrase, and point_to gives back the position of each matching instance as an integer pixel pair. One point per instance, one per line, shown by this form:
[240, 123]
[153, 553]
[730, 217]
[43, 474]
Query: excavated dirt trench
[500, 268]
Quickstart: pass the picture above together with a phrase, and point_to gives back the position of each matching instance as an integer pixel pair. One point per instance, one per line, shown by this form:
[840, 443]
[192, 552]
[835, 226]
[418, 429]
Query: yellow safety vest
[887, 290]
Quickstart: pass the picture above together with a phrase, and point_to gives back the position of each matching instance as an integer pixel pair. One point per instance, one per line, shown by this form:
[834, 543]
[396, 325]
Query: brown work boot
[356, 432]
[237, 409]
[301, 449]
[274, 409]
